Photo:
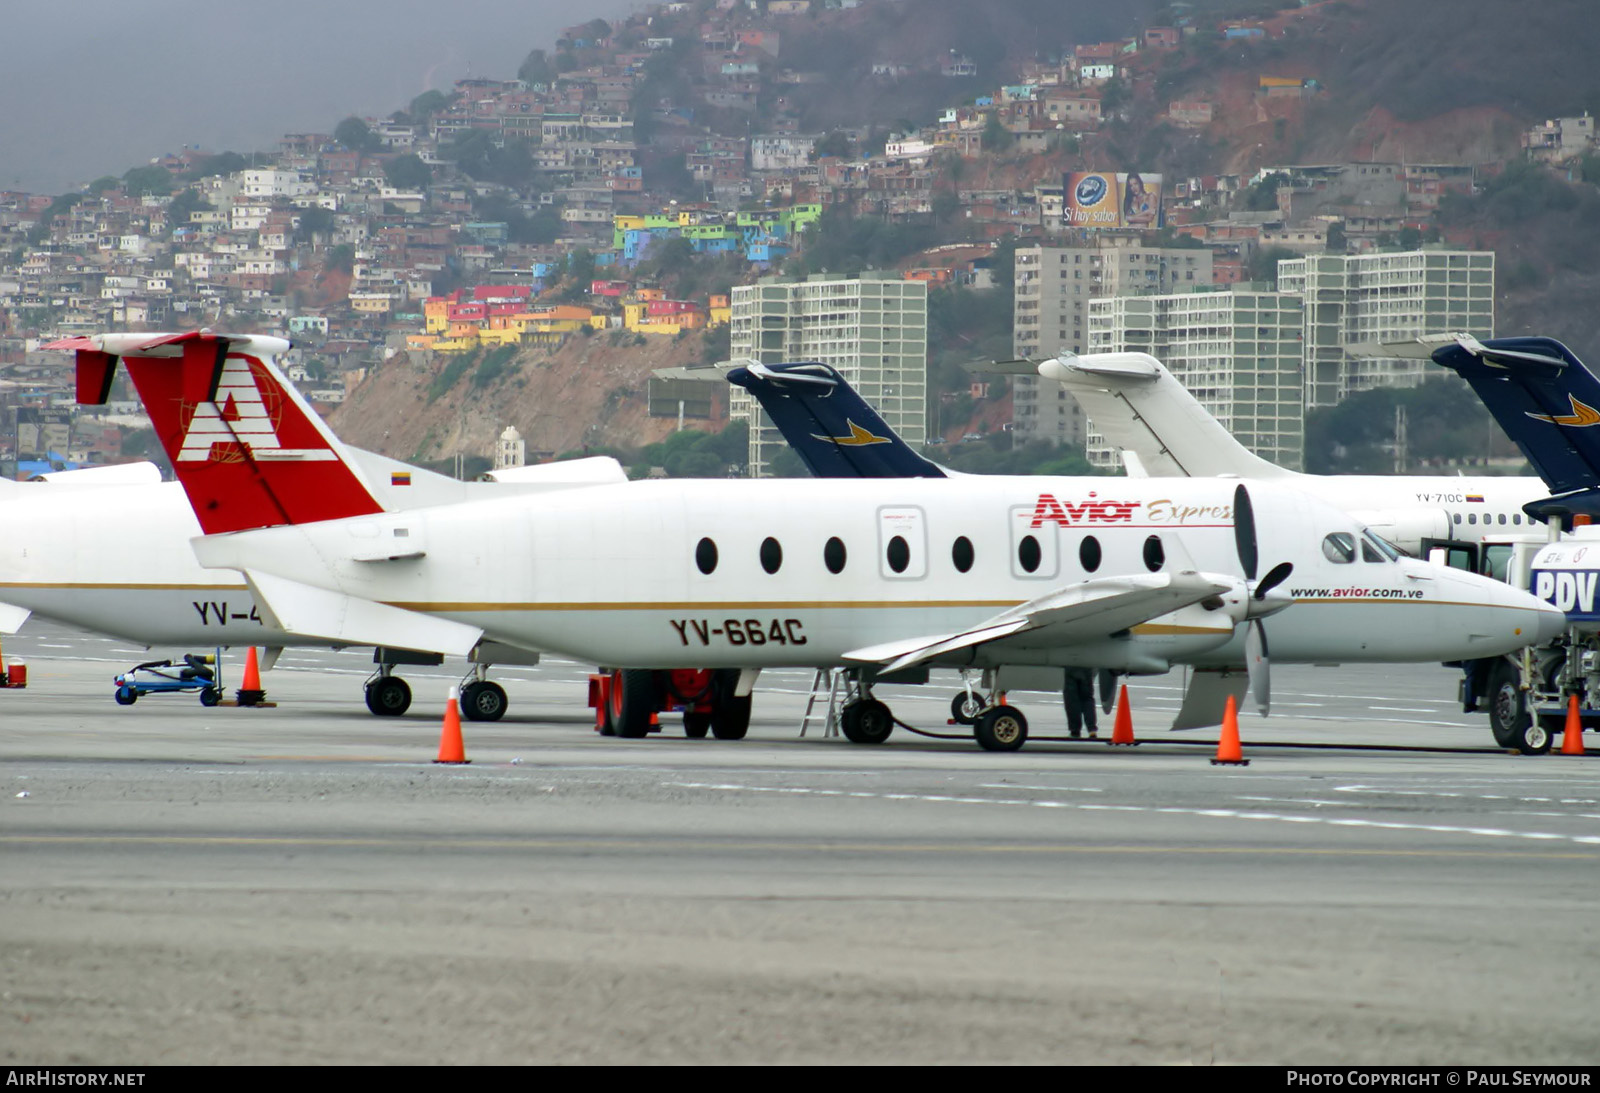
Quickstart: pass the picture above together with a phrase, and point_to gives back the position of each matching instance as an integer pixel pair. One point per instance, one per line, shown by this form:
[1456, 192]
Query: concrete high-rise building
[1237, 351]
[872, 328]
[1053, 288]
[1366, 298]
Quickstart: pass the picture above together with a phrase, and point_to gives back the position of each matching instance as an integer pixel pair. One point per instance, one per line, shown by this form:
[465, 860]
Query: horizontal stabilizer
[348, 620]
[1080, 614]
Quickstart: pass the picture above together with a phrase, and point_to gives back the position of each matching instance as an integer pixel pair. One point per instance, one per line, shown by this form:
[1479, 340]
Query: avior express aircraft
[880, 577]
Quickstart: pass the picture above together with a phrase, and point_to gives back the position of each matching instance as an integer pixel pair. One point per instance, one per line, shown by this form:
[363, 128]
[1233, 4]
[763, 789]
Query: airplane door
[1035, 551]
[902, 543]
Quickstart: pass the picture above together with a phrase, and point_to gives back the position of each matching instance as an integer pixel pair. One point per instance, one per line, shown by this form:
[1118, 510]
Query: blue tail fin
[829, 425]
[1543, 397]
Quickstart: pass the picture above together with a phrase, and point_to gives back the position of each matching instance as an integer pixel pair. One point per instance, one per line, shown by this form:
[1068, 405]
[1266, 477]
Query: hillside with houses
[476, 256]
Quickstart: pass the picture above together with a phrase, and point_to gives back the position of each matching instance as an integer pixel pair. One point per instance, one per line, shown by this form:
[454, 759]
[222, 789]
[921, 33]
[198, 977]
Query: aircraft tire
[1001, 728]
[484, 700]
[965, 708]
[388, 696]
[210, 696]
[633, 697]
[1539, 733]
[866, 721]
[696, 725]
[126, 696]
[1508, 708]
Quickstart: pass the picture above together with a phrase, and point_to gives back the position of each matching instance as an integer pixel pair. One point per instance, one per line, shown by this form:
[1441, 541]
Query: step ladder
[828, 682]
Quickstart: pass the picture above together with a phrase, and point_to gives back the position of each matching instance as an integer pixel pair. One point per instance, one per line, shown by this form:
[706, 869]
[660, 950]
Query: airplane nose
[1551, 623]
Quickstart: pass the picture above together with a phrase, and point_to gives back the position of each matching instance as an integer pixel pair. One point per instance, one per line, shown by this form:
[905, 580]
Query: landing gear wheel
[696, 725]
[633, 700]
[866, 721]
[483, 700]
[730, 715]
[390, 696]
[210, 696]
[1001, 728]
[1535, 737]
[965, 708]
[126, 696]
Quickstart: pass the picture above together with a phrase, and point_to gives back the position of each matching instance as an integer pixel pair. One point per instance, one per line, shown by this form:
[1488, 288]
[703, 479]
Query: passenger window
[1028, 554]
[961, 553]
[898, 554]
[771, 554]
[1155, 555]
[1339, 547]
[1458, 518]
[1089, 554]
[833, 555]
[705, 556]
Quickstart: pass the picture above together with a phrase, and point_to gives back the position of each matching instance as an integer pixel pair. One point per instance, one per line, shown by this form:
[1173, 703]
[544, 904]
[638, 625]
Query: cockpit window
[1375, 548]
[1339, 547]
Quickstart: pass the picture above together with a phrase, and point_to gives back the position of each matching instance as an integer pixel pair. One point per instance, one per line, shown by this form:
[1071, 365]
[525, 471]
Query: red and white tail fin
[248, 449]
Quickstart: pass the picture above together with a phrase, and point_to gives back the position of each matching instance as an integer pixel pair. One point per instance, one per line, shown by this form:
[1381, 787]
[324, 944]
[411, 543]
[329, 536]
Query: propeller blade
[1258, 666]
[1275, 576]
[1108, 689]
[1244, 531]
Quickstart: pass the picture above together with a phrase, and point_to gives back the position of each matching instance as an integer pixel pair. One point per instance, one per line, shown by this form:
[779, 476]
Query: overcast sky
[93, 87]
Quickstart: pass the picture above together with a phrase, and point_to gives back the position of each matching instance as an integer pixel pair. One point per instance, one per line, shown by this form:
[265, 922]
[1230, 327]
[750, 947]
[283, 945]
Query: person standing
[1077, 695]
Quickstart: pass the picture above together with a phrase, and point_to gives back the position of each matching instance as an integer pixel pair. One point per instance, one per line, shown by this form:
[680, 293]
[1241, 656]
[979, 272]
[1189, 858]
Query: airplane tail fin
[1140, 407]
[1542, 395]
[831, 427]
[247, 448]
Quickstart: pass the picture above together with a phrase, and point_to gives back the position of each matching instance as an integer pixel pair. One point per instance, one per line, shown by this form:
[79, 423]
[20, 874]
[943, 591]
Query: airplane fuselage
[803, 572]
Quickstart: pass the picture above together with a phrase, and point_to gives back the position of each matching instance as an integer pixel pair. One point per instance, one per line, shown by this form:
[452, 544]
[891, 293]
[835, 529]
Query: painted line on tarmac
[1212, 813]
[590, 844]
[1467, 796]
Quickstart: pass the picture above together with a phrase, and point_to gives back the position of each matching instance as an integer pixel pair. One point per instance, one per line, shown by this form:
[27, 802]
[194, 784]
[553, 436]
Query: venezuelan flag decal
[400, 478]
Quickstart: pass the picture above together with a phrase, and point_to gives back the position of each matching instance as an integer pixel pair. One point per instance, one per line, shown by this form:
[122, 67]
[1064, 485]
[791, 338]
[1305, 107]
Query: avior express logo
[1091, 190]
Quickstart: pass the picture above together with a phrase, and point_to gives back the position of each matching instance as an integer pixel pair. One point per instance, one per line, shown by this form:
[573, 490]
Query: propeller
[1257, 659]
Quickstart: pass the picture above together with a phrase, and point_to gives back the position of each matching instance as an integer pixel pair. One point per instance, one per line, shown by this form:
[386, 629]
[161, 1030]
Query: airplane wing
[1539, 392]
[12, 618]
[1141, 408]
[831, 427]
[1081, 613]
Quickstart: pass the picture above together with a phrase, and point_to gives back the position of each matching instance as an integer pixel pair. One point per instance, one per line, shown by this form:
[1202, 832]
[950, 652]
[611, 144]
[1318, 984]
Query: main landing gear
[628, 700]
[995, 725]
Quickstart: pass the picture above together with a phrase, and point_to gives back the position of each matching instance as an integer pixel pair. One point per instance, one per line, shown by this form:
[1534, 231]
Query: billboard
[1101, 199]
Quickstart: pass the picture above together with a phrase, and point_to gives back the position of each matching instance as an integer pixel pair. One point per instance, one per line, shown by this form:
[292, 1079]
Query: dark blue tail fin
[1543, 397]
[829, 425]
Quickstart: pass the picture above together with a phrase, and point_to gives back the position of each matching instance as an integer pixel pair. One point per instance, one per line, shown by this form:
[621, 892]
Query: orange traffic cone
[1228, 751]
[1572, 738]
[451, 748]
[1122, 727]
[250, 692]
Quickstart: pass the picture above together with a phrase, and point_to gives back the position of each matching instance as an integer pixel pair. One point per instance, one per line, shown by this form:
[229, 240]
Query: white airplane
[878, 577]
[108, 549]
[1162, 430]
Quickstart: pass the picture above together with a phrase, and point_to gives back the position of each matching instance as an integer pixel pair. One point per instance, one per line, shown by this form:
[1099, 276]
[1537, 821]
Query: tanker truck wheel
[1508, 707]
